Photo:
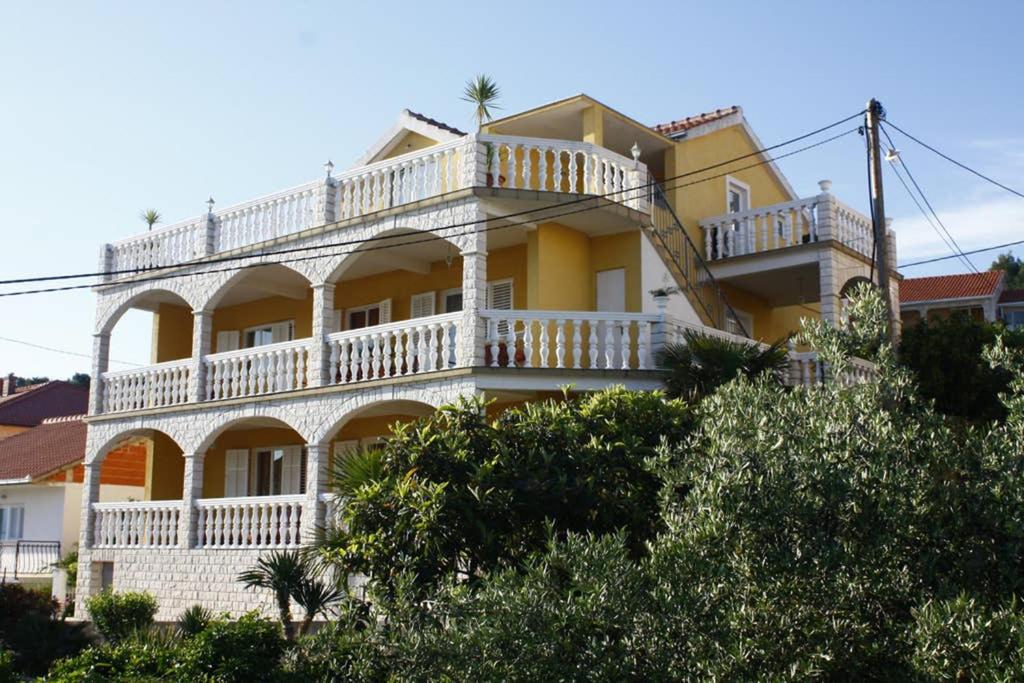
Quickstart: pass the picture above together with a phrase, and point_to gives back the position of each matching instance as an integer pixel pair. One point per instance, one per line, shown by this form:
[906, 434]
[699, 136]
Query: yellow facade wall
[265, 311]
[165, 469]
[621, 250]
[410, 142]
[172, 333]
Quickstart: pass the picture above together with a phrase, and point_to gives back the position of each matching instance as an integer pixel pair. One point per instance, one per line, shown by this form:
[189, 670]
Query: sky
[110, 108]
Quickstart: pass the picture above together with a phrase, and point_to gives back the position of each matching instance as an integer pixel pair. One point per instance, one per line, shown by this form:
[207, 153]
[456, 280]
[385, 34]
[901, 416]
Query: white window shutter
[499, 295]
[282, 331]
[236, 472]
[291, 470]
[228, 340]
[385, 311]
[422, 305]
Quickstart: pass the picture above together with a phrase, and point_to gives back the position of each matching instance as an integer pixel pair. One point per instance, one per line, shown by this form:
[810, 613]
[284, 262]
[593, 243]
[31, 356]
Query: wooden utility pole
[874, 113]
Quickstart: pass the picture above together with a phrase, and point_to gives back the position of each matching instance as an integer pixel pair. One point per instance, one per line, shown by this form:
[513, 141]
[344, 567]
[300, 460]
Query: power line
[966, 253]
[432, 238]
[63, 351]
[944, 234]
[587, 198]
[954, 161]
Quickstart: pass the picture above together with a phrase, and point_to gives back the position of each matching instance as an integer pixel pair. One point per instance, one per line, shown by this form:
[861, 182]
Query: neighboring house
[507, 263]
[41, 493]
[1011, 308]
[22, 408]
[976, 294]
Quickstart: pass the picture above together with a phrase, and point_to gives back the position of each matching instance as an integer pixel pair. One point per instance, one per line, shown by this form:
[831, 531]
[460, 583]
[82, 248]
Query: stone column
[317, 460]
[100, 363]
[826, 212]
[473, 330]
[202, 339]
[323, 315]
[191, 490]
[106, 262]
[90, 495]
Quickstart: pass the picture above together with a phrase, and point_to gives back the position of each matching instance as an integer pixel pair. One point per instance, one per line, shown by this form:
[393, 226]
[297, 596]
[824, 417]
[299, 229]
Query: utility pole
[874, 113]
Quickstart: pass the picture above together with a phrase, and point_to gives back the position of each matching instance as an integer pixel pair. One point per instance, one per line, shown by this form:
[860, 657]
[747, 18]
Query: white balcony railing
[153, 386]
[498, 161]
[395, 349]
[568, 339]
[258, 370]
[144, 524]
[776, 226]
[808, 369]
[251, 522]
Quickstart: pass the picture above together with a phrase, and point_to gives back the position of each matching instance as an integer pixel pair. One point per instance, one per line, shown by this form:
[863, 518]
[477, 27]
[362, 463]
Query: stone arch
[103, 443]
[844, 291]
[112, 306]
[265, 419]
[218, 287]
[400, 238]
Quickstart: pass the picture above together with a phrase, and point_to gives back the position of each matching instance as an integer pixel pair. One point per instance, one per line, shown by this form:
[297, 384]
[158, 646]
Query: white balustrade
[276, 215]
[153, 386]
[136, 524]
[395, 349]
[568, 339]
[548, 165]
[162, 247]
[251, 522]
[808, 369]
[788, 224]
[258, 370]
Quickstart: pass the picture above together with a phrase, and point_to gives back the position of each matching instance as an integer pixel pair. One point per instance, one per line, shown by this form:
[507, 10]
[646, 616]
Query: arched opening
[143, 457]
[371, 424]
[155, 326]
[256, 456]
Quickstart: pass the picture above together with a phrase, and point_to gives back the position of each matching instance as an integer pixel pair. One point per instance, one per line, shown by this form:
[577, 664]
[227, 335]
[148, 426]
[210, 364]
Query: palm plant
[315, 597]
[482, 91]
[356, 469]
[151, 217]
[283, 572]
[702, 363]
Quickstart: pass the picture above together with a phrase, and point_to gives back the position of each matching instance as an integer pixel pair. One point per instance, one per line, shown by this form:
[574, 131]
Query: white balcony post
[658, 331]
[474, 299]
[191, 490]
[100, 363]
[319, 355]
[90, 495]
[106, 262]
[326, 207]
[208, 235]
[317, 459]
[473, 167]
[202, 335]
[826, 211]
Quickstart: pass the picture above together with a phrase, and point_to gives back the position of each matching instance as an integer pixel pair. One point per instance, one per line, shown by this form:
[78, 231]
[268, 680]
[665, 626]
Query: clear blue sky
[111, 108]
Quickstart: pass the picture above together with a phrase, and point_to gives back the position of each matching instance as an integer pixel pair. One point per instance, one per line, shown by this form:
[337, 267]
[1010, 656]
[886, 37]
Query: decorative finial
[210, 203]
[636, 151]
[825, 185]
[329, 166]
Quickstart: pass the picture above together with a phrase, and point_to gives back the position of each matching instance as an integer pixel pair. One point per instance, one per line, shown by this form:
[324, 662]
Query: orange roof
[51, 446]
[942, 287]
[673, 127]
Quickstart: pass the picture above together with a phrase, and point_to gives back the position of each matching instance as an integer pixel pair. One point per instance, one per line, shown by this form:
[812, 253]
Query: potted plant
[661, 295]
[483, 92]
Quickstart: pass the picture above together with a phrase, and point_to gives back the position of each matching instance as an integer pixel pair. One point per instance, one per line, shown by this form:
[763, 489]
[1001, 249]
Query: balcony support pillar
[828, 277]
[474, 300]
[323, 315]
[317, 460]
[191, 490]
[202, 335]
[90, 495]
[100, 364]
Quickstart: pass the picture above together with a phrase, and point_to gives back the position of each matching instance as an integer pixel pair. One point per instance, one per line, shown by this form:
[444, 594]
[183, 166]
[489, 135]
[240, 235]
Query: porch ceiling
[782, 287]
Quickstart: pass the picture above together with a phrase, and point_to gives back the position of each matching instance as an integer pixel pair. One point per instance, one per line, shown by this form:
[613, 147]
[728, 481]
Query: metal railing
[27, 558]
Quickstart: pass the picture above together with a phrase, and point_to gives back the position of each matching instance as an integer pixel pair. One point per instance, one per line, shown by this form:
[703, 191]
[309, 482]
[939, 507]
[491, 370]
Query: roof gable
[39, 451]
[409, 123]
[946, 287]
[29, 407]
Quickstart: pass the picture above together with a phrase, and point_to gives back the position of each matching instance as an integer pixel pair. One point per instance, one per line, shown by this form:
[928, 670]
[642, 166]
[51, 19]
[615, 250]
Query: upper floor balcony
[500, 162]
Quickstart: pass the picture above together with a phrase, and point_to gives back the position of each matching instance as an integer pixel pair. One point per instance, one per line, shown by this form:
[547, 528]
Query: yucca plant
[283, 572]
[315, 596]
[483, 92]
[151, 217]
[703, 362]
[194, 620]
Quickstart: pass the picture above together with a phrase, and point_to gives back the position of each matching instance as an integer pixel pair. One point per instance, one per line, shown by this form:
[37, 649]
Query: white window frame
[253, 469]
[347, 313]
[445, 293]
[270, 327]
[730, 184]
[8, 530]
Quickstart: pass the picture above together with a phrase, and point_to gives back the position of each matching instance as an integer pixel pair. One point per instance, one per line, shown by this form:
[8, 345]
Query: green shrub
[248, 649]
[194, 620]
[32, 631]
[118, 615]
[7, 671]
[141, 656]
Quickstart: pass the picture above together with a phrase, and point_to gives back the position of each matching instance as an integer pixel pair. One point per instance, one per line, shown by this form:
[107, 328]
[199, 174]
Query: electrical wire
[957, 163]
[944, 233]
[63, 351]
[622, 195]
[223, 259]
[966, 253]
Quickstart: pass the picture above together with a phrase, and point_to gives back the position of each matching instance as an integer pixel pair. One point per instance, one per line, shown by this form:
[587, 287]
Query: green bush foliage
[32, 633]
[194, 620]
[248, 649]
[140, 656]
[118, 615]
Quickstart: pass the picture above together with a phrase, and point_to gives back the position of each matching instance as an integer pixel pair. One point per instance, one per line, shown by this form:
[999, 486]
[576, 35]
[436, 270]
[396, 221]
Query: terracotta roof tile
[682, 125]
[434, 122]
[43, 449]
[1011, 296]
[942, 287]
[28, 406]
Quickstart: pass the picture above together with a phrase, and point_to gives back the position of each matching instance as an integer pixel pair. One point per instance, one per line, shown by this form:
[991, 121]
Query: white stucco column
[191, 490]
[317, 460]
[100, 363]
[323, 315]
[202, 339]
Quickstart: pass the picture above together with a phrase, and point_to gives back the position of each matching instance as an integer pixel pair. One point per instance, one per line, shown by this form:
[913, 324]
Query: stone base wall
[179, 578]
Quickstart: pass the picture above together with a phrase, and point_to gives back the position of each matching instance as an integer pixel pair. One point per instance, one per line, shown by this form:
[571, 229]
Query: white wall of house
[654, 275]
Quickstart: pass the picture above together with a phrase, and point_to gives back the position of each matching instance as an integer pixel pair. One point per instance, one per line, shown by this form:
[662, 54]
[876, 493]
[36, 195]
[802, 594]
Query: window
[270, 471]
[1014, 319]
[737, 196]
[367, 316]
[12, 519]
[422, 305]
[451, 300]
[740, 322]
[270, 334]
[499, 295]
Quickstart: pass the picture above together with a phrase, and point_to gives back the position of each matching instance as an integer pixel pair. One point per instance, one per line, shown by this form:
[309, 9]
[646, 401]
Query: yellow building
[508, 263]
